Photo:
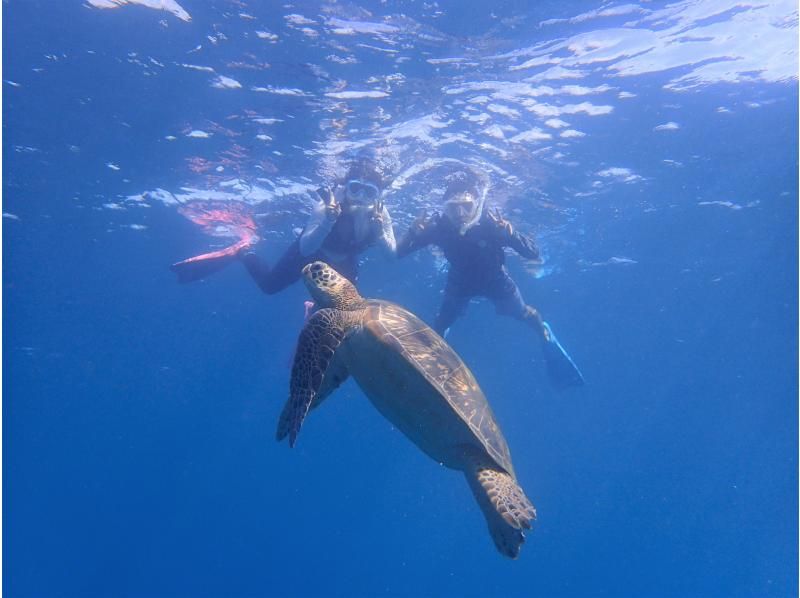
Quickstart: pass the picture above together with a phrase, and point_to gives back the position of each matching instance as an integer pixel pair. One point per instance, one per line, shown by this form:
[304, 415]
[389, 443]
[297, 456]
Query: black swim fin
[561, 370]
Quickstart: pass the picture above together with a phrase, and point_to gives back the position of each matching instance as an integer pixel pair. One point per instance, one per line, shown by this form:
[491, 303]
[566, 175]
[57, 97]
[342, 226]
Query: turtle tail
[507, 510]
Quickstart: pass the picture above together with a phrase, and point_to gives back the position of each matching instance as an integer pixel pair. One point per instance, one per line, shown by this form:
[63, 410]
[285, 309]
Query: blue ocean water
[650, 149]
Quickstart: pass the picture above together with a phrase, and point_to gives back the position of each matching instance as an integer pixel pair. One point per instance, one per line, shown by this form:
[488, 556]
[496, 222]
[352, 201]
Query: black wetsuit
[477, 264]
[338, 249]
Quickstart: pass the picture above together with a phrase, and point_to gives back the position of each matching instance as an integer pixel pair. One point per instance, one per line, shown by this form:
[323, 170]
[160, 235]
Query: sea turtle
[416, 380]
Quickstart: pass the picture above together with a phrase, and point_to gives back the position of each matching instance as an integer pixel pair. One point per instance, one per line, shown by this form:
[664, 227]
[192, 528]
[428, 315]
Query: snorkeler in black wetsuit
[348, 219]
[473, 243]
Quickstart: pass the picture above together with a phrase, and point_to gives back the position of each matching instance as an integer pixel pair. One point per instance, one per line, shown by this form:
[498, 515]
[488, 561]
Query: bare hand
[376, 218]
[332, 208]
[420, 222]
[500, 222]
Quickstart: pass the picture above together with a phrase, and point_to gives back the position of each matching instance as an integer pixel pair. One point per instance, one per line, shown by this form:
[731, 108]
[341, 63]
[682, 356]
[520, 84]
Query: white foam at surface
[757, 41]
[534, 62]
[557, 72]
[501, 89]
[583, 107]
[281, 91]
[523, 94]
[198, 134]
[378, 49]
[611, 11]
[580, 90]
[618, 260]
[494, 131]
[670, 126]
[477, 118]
[197, 67]
[343, 27]
[336, 147]
[167, 5]
[626, 175]
[556, 123]
[342, 59]
[355, 95]
[234, 190]
[296, 19]
[472, 119]
[445, 60]
[535, 134]
[222, 82]
[157, 195]
[724, 204]
[504, 110]
[419, 128]
[612, 261]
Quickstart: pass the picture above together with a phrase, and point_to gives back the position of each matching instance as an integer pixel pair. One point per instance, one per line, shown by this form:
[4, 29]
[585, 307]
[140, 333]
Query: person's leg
[453, 305]
[508, 301]
[286, 271]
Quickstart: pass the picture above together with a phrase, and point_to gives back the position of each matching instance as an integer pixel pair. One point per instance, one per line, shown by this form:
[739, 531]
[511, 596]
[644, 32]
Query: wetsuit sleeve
[386, 240]
[317, 228]
[421, 234]
[522, 244]
[505, 233]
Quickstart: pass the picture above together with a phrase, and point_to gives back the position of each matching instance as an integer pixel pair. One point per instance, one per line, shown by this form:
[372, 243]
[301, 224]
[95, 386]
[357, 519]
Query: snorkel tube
[465, 197]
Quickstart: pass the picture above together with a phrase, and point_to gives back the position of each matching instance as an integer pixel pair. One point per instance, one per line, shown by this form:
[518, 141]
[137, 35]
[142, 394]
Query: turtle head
[328, 288]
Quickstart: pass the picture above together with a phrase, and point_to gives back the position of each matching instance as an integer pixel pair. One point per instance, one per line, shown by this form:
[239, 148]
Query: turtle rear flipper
[313, 377]
[507, 510]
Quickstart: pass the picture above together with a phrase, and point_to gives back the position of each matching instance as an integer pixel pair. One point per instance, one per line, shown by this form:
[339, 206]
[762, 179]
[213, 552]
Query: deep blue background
[138, 415]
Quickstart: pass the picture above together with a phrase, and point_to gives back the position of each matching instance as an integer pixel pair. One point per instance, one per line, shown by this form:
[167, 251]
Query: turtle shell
[434, 359]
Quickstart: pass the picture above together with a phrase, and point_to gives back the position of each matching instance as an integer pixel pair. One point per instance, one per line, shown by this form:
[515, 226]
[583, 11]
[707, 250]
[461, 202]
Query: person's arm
[419, 235]
[511, 237]
[323, 217]
[386, 240]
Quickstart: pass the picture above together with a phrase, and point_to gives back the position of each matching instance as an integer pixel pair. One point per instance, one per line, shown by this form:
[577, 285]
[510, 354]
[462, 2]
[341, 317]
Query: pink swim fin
[201, 266]
[218, 219]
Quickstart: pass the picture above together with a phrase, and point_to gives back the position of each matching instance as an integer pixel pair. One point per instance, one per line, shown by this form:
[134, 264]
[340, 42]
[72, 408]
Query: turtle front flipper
[504, 504]
[315, 372]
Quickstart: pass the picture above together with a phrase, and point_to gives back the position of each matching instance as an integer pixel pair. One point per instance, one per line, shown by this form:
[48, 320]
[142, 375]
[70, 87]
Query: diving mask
[463, 210]
[361, 193]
